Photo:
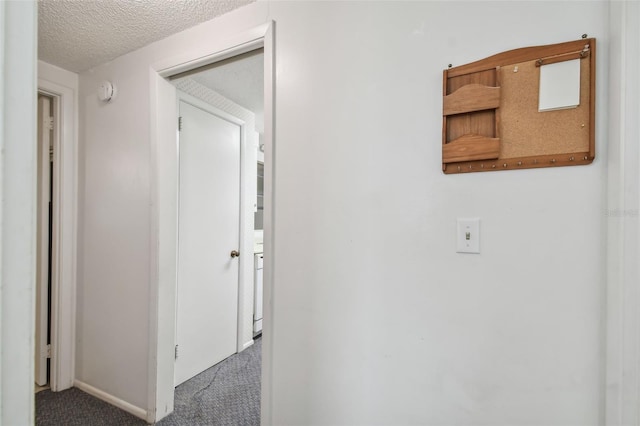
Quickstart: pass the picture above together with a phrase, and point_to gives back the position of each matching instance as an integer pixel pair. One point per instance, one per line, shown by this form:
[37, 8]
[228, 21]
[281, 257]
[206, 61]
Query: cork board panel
[524, 131]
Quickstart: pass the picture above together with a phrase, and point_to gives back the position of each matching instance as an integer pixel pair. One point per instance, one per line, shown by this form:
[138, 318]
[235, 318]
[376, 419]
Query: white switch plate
[468, 236]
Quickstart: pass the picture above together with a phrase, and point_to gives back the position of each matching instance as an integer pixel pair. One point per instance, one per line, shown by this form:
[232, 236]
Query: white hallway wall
[18, 170]
[376, 319]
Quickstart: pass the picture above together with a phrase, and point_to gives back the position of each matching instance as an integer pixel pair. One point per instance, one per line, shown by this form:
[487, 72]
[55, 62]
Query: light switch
[468, 236]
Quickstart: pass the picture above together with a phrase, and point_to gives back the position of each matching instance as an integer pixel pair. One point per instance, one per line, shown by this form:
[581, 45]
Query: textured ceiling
[79, 34]
[240, 80]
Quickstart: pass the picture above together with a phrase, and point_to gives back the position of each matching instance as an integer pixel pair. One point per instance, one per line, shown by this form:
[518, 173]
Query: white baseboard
[247, 344]
[124, 405]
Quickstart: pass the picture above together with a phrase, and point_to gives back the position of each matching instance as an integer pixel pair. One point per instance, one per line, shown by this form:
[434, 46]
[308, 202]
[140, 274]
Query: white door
[208, 232]
[42, 267]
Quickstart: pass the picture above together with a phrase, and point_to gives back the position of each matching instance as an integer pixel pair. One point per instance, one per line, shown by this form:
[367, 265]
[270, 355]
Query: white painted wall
[18, 171]
[57, 75]
[114, 240]
[623, 217]
[376, 319]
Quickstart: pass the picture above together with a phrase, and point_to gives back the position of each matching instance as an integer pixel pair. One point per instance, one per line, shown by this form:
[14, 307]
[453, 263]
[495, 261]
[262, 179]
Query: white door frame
[64, 224]
[164, 154]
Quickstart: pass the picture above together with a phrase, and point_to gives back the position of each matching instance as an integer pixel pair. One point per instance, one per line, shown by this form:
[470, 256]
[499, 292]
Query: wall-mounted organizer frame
[491, 119]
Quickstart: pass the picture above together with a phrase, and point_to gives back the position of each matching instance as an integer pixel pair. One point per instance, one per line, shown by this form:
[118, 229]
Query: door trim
[164, 206]
[64, 224]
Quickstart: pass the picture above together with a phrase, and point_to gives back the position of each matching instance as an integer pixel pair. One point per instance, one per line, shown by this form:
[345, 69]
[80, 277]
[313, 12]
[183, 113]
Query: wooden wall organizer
[490, 118]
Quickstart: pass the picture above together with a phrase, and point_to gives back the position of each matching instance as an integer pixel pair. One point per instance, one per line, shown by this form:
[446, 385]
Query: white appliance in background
[257, 292]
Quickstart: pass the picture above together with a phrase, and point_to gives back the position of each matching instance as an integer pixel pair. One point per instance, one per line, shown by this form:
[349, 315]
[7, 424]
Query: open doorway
[46, 135]
[220, 234]
[235, 88]
[164, 129]
[54, 316]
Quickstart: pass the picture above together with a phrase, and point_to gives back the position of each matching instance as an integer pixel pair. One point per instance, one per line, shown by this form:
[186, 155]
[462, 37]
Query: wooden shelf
[471, 147]
[470, 98]
[490, 115]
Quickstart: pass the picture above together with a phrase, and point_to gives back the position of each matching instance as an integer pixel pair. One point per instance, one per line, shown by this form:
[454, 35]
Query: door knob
[235, 253]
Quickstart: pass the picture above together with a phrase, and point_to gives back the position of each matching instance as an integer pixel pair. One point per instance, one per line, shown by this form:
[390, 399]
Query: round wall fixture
[106, 91]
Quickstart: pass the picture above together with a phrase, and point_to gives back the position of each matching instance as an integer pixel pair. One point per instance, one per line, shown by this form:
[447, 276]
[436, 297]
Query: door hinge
[48, 123]
[179, 123]
[48, 351]
[176, 352]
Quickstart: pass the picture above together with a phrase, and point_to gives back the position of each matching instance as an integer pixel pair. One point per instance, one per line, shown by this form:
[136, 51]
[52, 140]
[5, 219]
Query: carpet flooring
[227, 394]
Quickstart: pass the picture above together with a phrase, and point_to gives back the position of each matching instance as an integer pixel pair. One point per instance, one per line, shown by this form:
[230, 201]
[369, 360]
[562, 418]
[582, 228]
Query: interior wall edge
[18, 171]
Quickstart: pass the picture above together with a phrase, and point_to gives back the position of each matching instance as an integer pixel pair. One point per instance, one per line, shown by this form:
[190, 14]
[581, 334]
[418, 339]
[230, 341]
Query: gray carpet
[227, 394]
